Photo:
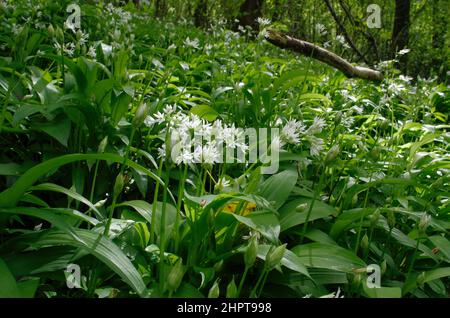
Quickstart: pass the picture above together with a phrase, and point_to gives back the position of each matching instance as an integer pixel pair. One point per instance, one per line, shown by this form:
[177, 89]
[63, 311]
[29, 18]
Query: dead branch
[308, 49]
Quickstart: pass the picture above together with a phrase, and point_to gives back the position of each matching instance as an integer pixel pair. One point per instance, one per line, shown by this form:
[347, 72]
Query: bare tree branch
[308, 49]
[344, 31]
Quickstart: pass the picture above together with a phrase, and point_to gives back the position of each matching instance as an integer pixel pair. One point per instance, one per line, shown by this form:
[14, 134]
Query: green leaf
[59, 130]
[27, 288]
[383, 292]
[204, 111]
[10, 196]
[69, 193]
[10, 169]
[443, 245]
[145, 210]
[289, 217]
[278, 187]
[120, 106]
[289, 260]
[314, 96]
[265, 223]
[105, 250]
[436, 274]
[328, 256]
[8, 287]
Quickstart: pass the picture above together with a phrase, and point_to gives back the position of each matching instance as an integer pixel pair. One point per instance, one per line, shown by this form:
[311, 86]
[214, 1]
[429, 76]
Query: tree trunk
[249, 11]
[400, 33]
[308, 49]
[200, 14]
[160, 8]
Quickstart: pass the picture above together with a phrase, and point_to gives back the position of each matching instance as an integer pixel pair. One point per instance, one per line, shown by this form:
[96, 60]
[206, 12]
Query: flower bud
[357, 280]
[102, 146]
[421, 278]
[375, 153]
[375, 217]
[118, 185]
[301, 207]
[251, 252]
[218, 266]
[338, 118]
[332, 154]
[383, 267]
[140, 115]
[214, 291]
[391, 219]
[231, 289]
[424, 222]
[175, 276]
[365, 242]
[59, 34]
[275, 255]
[51, 31]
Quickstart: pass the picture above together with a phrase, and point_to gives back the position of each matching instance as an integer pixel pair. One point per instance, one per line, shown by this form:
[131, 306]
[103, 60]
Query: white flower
[404, 51]
[222, 183]
[321, 29]
[83, 38]
[405, 79]
[192, 43]
[396, 89]
[341, 39]
[162, 151]
[263, 22]
[186, 156]
[291, 131]
[316, 145]
[71, 26]
[67, 48]
[316, 126]
[91, 52]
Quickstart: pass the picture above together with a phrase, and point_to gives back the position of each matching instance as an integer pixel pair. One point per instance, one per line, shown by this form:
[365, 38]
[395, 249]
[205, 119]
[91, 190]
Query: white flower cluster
[294, 131]
[195, 140]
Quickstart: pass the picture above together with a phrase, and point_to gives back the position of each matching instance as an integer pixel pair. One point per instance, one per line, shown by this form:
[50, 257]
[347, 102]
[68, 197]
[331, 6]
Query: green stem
[241, 283]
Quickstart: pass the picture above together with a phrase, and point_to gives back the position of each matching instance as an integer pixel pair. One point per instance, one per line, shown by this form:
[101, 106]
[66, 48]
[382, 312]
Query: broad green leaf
[69, 193]
[265, 223]
[10, 169]
[27, 288]
[8, 286]
[290, 260]
[145, 210]
[277, 188]
[204, 111]
[105, 250]
[436, 274]
[443, 245]
[383, 292]
[60, 129]
[318, 236]
[11, 196]
[319, 255]
[289, 217]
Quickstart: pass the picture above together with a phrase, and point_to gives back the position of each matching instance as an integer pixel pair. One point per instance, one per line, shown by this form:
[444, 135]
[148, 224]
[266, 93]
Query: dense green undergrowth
[363, 174]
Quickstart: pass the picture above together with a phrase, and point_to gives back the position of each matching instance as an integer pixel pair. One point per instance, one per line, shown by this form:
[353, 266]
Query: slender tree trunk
[250, 10]
[201, 15]
[160, 8]
[400, 33]
[439, 19]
